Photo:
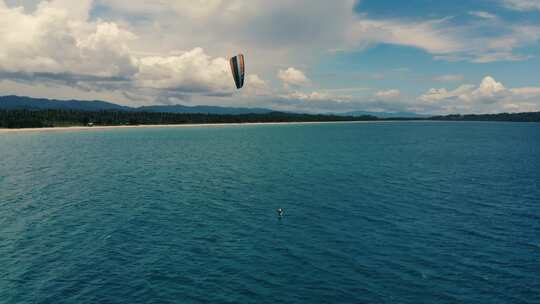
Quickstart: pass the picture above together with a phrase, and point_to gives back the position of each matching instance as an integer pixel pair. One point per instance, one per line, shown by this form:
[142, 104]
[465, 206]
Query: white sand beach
[98, 128]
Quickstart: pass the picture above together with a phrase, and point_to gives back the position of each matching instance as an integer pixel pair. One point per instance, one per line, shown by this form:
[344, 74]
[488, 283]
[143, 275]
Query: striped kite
[238, 69]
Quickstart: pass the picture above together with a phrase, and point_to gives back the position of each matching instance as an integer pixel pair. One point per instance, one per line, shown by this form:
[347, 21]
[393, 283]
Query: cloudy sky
[426, 56]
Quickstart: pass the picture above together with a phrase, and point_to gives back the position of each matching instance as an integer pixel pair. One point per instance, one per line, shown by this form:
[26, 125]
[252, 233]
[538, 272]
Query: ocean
[412, 212]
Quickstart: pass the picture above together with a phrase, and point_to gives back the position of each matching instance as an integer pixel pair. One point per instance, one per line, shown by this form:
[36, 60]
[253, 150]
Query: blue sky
[460, 13]
[424, 56]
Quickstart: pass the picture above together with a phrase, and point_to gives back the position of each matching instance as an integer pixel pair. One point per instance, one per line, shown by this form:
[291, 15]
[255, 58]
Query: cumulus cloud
[434, 95]
[302, 28]
[488, 97]
[489, 89]
[51, 41]
[177, 50]
[57, 43]
[255, 86]
[293, 77]
[255, 81]
[191, 72]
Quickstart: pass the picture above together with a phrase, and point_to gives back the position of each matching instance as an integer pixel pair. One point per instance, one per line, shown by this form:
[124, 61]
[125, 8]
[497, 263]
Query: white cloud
[448, 41]
[293, 77]
[388, 95]
[314, 101]
[530, 91]
[57, 43]
[195, 9]
[255, 81]
[434, 95]
[190, 72]
[255, 86]
[489, 89]
[317, 96]
[303, 28]
[521, 107]
[501, 47]
[271, 32]
[483, 15]
[153, 49]
[522, 5]
[490, 96]
[499, 56]
[50, 41]
[432, 36]
[449, 78]
[330, 102]
[78, 10]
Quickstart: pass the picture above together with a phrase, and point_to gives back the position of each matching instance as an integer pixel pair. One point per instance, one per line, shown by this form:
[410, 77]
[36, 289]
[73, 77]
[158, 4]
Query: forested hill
[59, 118]
[24, 112]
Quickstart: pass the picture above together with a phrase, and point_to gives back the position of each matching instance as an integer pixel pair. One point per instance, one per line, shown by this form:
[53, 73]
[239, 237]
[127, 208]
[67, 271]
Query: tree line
[512, 117]
[64, 118]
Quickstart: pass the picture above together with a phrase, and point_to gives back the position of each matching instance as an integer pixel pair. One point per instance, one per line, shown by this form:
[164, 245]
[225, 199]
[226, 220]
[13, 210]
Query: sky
[316, 56]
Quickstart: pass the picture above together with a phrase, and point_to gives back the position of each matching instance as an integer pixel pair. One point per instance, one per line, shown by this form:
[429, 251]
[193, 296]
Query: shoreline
[207, 125]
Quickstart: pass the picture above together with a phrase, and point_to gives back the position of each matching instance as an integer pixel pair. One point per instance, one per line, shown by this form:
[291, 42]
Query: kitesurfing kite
[238, 70]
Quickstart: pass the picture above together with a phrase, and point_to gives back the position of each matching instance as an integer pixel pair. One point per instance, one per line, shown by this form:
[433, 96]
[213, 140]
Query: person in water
[280, 212]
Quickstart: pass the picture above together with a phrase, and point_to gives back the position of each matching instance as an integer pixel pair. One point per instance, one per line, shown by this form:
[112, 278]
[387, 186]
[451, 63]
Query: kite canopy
[238, 69]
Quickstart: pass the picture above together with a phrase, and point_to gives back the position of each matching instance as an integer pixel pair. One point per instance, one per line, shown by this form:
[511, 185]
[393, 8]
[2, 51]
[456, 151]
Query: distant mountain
[29, 103]
[48, 112]
[203, 110]
[384, 114]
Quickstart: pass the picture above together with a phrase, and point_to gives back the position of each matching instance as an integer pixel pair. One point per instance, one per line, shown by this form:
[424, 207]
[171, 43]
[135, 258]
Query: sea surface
[415, 212]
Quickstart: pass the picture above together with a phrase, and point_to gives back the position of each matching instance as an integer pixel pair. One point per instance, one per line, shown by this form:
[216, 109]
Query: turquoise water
[374, 213]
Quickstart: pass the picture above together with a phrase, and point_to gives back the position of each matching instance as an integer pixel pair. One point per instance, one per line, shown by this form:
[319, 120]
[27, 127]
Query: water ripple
[374, 213]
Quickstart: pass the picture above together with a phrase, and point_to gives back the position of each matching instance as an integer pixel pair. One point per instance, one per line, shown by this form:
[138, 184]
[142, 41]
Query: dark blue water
[374, 213]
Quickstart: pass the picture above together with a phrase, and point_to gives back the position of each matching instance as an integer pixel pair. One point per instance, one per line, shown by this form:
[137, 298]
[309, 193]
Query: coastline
[207, 125]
